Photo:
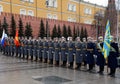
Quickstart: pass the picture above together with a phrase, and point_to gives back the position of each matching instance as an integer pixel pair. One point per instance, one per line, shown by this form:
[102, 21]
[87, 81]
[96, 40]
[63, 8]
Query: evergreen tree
[65, 34]
[28, 30]
[54, 32]
[21, 34]
[69, 31]
[47, 30]
[42, 30]
[78, 32]
[85, 33]
[82, 34]
[59, 32]
[5, 26]
[1, 29]
[74, 33]
[13, 27]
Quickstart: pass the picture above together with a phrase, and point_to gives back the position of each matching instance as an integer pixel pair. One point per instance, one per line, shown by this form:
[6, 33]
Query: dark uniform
[90, 57]
[84, 52]
[78, 54]
[51, 46]
[63, 53]
[45, 49]
[40, 50]
[57, 48]
[112, 58]
[36, 49]
[100, 58]
[71, 50]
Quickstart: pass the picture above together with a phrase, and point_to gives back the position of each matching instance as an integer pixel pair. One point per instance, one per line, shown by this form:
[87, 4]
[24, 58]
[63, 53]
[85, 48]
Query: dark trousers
[91, 66]
[101, 68]
[112, 71]
[78, 65]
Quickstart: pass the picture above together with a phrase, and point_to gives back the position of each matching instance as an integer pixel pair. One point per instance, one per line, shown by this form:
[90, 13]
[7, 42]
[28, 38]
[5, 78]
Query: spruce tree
[13, 27]
[21, 34]
[69, 31]
[54, 32]
[47, 30]
[1, 29]
[5, 26]
[28, 30]
[42, 30]
[59, 32]
[85, 33]
[78, 32]
[82, 34]
[74, 33]
[65, 34]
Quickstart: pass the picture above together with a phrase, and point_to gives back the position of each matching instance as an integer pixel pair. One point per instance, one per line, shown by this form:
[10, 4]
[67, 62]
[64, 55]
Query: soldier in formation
[65, 53]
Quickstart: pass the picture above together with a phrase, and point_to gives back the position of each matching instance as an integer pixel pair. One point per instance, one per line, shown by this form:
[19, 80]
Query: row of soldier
[64, 53]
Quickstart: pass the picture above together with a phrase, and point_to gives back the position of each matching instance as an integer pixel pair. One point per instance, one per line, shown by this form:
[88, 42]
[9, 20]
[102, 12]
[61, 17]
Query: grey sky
[99, 2]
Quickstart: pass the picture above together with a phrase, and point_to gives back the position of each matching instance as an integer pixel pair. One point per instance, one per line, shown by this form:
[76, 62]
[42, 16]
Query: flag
[16, 40]
[107, 41]
[4, 35]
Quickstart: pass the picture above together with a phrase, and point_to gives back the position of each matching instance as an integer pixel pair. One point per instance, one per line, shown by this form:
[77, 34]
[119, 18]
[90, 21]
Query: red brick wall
[35, 23]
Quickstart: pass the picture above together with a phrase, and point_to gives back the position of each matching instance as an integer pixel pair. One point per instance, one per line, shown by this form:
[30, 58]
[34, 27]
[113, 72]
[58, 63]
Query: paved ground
[18, 71]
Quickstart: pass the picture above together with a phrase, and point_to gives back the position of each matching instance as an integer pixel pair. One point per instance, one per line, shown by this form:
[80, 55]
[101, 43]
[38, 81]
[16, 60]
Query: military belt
[78, 49]
[89, 49]
[70, 49]
[62, 48]
[50, 47]
[56, 48]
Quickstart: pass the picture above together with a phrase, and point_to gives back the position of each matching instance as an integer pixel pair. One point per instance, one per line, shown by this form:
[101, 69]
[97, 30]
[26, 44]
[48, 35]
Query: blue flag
[107, 41]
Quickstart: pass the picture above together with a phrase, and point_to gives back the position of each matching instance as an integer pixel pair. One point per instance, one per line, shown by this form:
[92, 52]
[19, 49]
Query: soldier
[21, 47]
[17, 48]
[112, 58]
[84, 49]
[12, 46]
[35, 49]
[40, 48]
[100, 58]
[71, 49]
[51, 46]
[45, 48]
[78, 46]
[63, 51]
[31, 46]
[25, 47]
[57, 48]
[90, 52]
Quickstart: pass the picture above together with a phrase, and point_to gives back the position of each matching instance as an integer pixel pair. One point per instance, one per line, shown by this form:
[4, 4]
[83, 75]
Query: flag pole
[118, 23]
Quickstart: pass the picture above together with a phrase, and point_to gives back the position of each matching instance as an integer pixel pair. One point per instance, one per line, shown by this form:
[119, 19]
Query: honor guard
[21, 47]
[100, 58]
[40, 48]
[51, 46]
[17, 48]
[63, 46]
[12, 46]
[79, 57]
[25, 47]
[90, 52]
[84, 51]
[36, 49]
[31, 48]
[45, 49]
[57, 48]
[71, 49]
[112, 58]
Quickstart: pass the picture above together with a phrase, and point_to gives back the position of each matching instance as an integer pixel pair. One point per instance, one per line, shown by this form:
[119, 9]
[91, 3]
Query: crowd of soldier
[64, 53]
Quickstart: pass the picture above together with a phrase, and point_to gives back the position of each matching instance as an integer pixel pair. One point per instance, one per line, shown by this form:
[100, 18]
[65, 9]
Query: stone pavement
[18, 71]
